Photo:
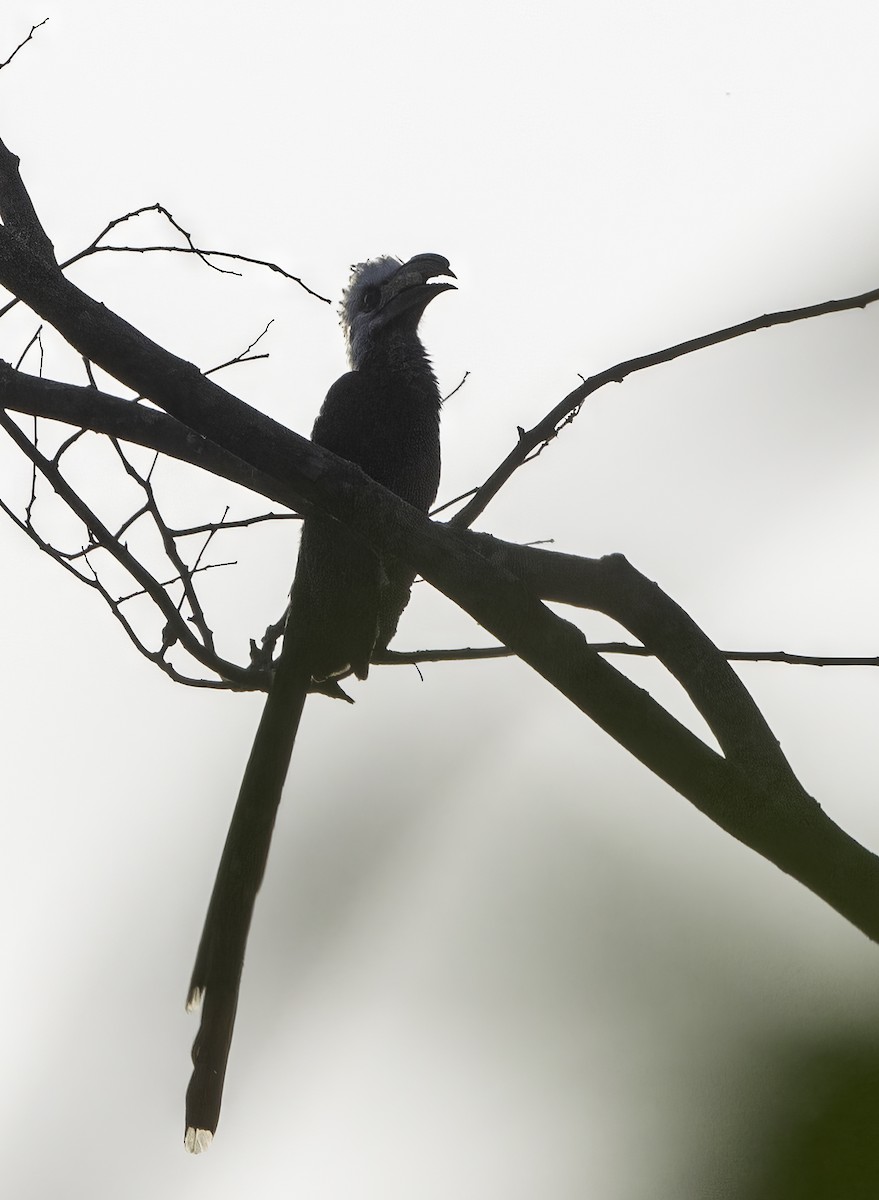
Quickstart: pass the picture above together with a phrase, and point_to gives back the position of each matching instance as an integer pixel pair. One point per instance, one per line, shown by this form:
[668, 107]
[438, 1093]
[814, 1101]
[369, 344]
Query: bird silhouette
[345, 603]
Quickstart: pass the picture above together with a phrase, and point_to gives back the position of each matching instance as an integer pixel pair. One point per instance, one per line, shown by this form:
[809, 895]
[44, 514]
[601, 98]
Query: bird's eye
[370, 299]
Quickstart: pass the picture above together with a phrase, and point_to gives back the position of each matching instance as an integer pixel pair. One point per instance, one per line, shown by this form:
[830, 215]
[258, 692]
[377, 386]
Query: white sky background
[493, 957]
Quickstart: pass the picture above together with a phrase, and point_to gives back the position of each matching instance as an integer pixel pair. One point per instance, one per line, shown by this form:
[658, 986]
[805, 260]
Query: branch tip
[23, 43]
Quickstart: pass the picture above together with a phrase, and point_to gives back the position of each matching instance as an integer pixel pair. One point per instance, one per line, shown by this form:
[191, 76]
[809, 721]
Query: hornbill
[345, 602]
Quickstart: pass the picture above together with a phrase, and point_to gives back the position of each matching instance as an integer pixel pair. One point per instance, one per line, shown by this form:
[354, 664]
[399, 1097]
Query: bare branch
[411, 658]
[99, 411]
[156, 657]
[531, 441]
[184, 574]
[457, 387]
[393, 658]
[434, 512]
[23, 43]
[36, 340]
[102, 538]
[17, 211]
[67, 444]
[245, 355]
[96, 247]
[238, 523]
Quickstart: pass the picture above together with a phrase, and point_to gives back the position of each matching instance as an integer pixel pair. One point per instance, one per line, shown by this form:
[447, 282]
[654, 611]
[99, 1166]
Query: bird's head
[386, 297]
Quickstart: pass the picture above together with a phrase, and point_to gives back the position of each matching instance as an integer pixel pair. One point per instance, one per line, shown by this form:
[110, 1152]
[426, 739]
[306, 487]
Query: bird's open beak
[408, 289]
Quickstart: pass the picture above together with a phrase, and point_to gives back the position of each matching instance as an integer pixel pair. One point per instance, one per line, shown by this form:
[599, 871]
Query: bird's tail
[217, 972]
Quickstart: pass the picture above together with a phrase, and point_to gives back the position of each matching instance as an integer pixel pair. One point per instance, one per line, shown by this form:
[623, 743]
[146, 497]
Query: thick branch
[89, 408]
[16, 207]
[611, 585]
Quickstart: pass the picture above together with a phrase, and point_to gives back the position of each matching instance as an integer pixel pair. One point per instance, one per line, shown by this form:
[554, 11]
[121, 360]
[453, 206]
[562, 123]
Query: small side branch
[193, 635]
[18, 213]
[23, 43]
[99, 246]
[401, 658]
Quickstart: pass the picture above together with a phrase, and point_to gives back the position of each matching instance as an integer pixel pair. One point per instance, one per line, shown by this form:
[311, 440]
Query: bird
[345, 603]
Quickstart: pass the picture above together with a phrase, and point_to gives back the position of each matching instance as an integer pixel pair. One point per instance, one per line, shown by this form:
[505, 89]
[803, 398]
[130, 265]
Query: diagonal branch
[17, 209]
[531, 440]
[611, 585]
[90, 408]
[23, 42]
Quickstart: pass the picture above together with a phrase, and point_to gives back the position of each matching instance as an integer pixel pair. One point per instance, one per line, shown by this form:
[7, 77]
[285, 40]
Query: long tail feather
[216, 975]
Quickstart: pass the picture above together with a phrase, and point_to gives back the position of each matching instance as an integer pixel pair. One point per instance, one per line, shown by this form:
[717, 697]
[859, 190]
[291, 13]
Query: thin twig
[393, 658]
[165, 584]
[245, 355]
[457, 388]
[23, 43]
[170, 546]
[239, 523]
[434, 512]
[76, 436]
[101, 538]
[95, 247]
[37, 340]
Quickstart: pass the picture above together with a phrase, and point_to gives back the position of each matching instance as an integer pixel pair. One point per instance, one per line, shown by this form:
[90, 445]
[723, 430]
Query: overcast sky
[493, 957]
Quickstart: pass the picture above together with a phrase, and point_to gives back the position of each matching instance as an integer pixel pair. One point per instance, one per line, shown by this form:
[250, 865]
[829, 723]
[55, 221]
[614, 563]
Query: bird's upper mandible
[385, 297]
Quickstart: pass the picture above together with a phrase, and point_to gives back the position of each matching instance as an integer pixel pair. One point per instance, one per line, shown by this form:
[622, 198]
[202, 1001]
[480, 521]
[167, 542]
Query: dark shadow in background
[818, 1136]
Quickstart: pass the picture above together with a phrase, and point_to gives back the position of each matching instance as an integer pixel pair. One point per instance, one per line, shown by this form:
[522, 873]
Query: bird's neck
[398, 353]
